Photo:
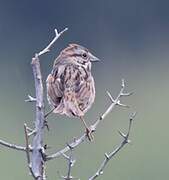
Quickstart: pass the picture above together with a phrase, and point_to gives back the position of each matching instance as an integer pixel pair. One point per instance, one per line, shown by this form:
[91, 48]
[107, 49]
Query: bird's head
[79, 55]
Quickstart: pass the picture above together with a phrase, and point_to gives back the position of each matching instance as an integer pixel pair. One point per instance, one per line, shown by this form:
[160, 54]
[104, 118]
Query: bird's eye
[84, 55]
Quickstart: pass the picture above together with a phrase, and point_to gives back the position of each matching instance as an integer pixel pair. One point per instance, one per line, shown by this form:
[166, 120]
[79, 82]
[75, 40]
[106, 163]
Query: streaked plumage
[70, 86]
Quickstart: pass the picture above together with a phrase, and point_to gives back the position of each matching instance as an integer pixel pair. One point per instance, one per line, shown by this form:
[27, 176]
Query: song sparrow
[70, 86]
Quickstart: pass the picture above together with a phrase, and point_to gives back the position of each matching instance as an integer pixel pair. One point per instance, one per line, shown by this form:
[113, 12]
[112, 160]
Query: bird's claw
[89, 134]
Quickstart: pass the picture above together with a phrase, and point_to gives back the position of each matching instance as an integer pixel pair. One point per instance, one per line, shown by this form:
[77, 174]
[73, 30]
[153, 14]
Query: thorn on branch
[127, 94]
[117, 100]
[122, 134]
[123, 83]
[106, 155]
[93, 128]
[69, 146]
[101, 172]
[133, 116]
[110, 96]
[59, 34]
[128, 141]
[33, 132]
[65, 156]
[122, 105]
[46, 125]
[46, 147]
[42, 151]
[29, 129]
[30, 99]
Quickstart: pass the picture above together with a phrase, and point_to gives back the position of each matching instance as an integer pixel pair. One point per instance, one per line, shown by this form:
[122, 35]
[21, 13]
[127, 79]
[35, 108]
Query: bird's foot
[89, 134]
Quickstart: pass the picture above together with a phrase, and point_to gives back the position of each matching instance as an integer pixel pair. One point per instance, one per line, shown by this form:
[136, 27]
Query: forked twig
[57, 35]
[109, 156]
[71, 163]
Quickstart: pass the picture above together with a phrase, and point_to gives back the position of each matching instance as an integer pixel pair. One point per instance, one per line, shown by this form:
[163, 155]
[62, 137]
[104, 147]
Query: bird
[70, 85]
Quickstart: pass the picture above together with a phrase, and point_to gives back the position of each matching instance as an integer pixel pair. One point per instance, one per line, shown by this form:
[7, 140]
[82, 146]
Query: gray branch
[109, 156]
[57, 35]
[30, 99]
[70, 162]
[37, 162]
[37, 159]
[26, 129]
[78, 141]
[12, 146]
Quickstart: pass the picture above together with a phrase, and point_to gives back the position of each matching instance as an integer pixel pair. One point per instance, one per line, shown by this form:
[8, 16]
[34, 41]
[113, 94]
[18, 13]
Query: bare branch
[12, 146]
[38, 154]
[27, 144]
[75, 143]
[71, 163]
[37, 144]
[115, 102]
[33, 132]
[30, 99]
[93, 127]
[16, 147]
[28, 149]
[57, 35]
[108, 157]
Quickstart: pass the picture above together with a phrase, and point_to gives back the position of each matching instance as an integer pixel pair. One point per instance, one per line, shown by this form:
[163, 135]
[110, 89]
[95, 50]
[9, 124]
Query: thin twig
[109, 156]
[27, 144]
[37, 144]
[28, 149]
[71, 163]
[93, 127]
[74, 144]
[57, 35]
[12, 146]
[48, 113]
[30, 99]
[114, 103]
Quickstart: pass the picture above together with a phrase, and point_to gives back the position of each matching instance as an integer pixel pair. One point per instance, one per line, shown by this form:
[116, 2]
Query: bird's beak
[93, 58]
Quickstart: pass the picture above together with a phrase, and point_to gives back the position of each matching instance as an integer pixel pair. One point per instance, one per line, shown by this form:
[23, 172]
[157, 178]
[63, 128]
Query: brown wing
[54, 87]
[86, 94]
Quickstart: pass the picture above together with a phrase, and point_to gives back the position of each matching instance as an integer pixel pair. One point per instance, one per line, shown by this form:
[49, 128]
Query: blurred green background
[132, 40]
